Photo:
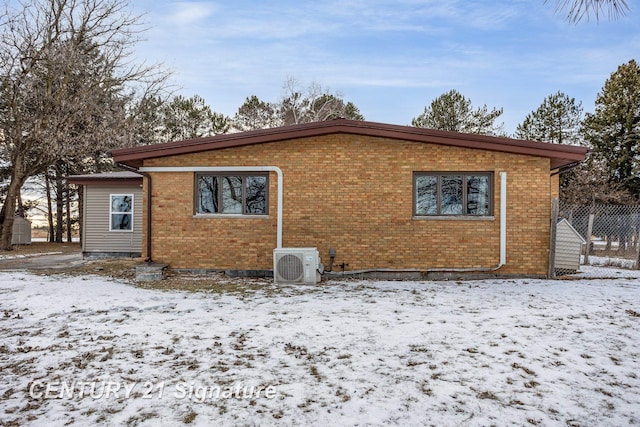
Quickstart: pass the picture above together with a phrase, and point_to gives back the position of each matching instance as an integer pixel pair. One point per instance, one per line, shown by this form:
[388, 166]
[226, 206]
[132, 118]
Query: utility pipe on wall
[275, 169]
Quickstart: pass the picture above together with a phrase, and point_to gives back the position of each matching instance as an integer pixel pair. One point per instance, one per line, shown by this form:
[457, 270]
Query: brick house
[380, 198]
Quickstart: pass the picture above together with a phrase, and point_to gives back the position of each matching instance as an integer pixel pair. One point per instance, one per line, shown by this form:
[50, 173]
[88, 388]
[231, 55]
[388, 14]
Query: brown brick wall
[354, 194]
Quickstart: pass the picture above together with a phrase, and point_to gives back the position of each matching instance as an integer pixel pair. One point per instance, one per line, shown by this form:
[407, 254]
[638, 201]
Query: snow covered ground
[85, 351]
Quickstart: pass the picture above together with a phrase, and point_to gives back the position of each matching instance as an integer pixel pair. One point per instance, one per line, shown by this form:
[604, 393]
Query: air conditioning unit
[296, 265]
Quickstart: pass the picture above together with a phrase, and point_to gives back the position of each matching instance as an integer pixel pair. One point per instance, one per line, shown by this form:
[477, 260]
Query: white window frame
[112, 212]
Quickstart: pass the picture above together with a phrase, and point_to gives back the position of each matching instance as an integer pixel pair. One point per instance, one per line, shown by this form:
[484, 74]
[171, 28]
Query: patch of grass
[295, 350]
[306, 405]
[418, 348]
[83, 360]
[487, 395]
[42, 248]
[605, 392]
[524, 368]
[7, 394]
[108, 354]
[140, 418]
[189, 417]
[343, 395]
[315, 373]
[210, 282]
[424, 388]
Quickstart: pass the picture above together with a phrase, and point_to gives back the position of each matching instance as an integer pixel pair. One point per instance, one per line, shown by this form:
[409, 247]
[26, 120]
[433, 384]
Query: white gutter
[275, 169]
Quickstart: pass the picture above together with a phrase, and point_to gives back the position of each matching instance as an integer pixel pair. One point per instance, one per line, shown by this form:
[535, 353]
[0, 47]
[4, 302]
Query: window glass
[426, 195]
[208, 194]
[121, 212]
[451, 195]
[232, 194]
[477, 195]
[256, 198]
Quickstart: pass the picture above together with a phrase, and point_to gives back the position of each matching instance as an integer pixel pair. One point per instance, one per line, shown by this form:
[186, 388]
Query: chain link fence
[611, 236]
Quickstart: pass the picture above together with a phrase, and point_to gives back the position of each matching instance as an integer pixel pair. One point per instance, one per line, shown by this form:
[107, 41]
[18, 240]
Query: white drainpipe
[503, 219]
[275, 169]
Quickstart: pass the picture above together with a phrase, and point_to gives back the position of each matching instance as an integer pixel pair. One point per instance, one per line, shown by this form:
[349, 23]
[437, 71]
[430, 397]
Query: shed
[568, 248]
[111, 214]
[21, 231]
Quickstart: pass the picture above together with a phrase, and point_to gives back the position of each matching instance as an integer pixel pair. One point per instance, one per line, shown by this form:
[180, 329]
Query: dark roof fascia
[113, 178]
[124, 181]
[560, 155]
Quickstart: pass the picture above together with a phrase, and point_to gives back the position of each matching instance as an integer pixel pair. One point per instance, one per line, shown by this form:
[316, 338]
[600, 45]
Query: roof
[108, 178]
[564, 223]
[560, 155]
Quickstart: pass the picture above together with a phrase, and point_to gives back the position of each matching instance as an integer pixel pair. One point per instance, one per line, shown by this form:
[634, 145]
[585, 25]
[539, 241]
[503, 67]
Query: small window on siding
[240, 194]
[121, 212]
[453, 194]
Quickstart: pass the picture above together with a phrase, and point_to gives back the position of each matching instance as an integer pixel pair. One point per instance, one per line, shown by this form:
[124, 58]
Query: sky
[390, 58]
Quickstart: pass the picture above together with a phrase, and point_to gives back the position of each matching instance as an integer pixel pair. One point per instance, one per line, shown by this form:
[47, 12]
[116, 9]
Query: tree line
[611, 174]
[71, 91]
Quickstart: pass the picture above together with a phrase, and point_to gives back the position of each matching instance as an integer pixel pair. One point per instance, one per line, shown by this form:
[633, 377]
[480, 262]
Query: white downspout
[275, 169]
[503, 219]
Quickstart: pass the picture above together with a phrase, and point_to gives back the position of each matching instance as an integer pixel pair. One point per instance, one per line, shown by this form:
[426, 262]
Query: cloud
[189, 13]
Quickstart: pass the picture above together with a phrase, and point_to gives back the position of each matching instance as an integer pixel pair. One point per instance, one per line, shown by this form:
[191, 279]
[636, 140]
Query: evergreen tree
[255, 114]
[453, 112]
[556, 120]
[186, 118]
[613, 130]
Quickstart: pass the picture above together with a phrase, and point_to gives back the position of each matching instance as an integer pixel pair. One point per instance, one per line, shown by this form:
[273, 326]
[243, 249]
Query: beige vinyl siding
[568, 247]
[97, 237]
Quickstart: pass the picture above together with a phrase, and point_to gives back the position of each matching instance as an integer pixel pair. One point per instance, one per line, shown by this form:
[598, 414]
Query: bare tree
[590, 184]
[313, 104]
[68, 86]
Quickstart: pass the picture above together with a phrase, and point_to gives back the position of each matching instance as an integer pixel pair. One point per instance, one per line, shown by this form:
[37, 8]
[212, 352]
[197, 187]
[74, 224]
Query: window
[455, 193]
[240, 194]
[121, 212]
